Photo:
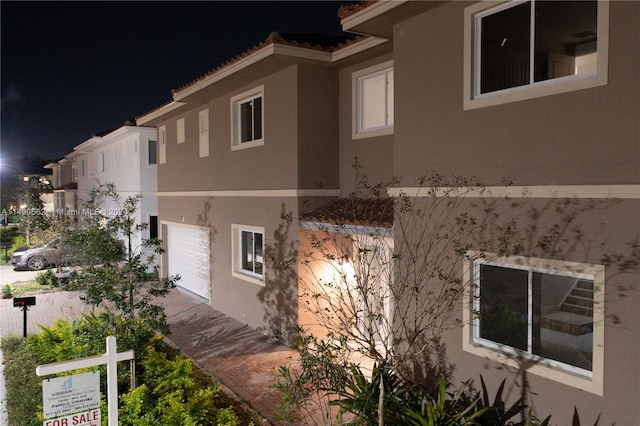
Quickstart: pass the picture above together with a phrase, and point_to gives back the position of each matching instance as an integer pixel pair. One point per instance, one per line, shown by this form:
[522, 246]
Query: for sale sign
[88, 418]
[70, 394]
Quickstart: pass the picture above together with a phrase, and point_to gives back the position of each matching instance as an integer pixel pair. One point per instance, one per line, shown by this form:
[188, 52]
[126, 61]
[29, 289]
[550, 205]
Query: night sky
[73, 69]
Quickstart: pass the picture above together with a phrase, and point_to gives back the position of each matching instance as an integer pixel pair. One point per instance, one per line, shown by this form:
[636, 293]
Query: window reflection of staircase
[575, 315]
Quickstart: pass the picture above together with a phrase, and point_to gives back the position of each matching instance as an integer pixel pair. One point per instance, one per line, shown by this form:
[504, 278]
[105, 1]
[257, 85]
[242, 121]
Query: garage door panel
[188, 256]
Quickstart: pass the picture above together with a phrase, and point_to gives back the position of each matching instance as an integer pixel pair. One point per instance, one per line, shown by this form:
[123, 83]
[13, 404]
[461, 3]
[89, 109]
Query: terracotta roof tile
[307, 41]
[354, 211]
[351, 9]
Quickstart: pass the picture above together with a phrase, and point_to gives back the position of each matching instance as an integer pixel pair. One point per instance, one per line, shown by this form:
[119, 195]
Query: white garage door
[188, 254]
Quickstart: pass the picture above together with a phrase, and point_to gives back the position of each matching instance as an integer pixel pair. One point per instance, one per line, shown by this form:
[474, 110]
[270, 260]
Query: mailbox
[24, 301]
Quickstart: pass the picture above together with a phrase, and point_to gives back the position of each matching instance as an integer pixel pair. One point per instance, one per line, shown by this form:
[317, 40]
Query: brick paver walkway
[246, 361]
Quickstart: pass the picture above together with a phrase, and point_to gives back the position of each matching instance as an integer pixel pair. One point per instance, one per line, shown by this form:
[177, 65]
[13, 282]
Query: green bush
[227, 417]
[7, 292]
[172, 394]
[23, 387]
[18, 241]
[48, 278]
[172, 391]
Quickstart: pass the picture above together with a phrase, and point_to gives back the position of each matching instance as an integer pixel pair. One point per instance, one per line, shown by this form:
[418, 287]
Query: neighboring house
[64, 187]
[462, 88]
[40, 184]
[127, 158]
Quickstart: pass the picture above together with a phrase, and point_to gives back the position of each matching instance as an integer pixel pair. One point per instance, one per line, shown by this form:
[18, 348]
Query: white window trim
[236, 254]
[180, 131]
[356, 131]
[590, 381]
[236, 101]
[203, 133]
[162, 145]
[102, 165]
[538, 89]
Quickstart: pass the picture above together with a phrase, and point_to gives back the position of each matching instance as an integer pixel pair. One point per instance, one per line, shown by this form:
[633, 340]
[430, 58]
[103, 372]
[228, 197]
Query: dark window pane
[246, 122]
[247, 251]
[257, 118]
[503, 306]
[153, 154]
[153, 226]
[258, 260]
[563, 319]
[564, 31]
[505, 48]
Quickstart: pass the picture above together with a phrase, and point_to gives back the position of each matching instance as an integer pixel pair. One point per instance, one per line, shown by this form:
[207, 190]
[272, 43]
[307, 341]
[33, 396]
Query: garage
[188, 256]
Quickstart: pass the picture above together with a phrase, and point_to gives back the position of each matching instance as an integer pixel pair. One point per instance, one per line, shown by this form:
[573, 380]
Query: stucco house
[125, 157]
[542, 94]
[64, 186]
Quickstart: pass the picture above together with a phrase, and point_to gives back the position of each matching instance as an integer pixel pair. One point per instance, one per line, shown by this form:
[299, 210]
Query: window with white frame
[247, 118]
[162, 151]
[373, 101]
[248, 253]
[102, 160]
[548, 313]
[180, 132]
[153, 152]
[203, 138]
[525, 49]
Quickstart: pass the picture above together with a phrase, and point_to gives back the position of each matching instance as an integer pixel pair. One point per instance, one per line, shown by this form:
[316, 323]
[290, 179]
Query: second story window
[153, 152]
[180, 134]
[162, 151]
[525, 49]
[203, 134]
[373, 101]
[102, 162]
[247, 117]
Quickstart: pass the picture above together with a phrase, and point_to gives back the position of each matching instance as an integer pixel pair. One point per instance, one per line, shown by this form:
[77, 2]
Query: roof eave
[152, 117]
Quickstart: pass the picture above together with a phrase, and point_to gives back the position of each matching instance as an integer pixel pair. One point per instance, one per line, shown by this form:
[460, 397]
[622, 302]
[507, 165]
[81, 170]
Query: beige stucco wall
[231, 295]
[583, 137]
[605, 228]
[375, 154]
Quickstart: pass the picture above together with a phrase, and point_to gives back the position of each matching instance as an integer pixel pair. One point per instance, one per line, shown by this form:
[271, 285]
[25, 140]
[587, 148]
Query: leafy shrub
[227, 417]
[172, 394]
[18, 242]
[23, 387]
[48, 278]
[7, 292]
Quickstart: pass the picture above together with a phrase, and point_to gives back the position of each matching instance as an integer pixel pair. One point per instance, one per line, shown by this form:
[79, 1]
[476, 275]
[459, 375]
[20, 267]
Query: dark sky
[72, 69]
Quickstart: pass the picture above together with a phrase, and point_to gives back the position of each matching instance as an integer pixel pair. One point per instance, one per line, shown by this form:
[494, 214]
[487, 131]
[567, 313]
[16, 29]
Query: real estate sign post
[77, 397]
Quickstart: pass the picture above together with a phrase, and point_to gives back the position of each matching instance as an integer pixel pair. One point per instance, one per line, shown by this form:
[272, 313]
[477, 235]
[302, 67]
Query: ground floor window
[248, 252]
[547, 312]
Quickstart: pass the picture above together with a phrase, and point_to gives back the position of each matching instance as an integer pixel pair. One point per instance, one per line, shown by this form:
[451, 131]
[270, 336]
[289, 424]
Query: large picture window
[547, 312]
[525, 49]
[247, 119]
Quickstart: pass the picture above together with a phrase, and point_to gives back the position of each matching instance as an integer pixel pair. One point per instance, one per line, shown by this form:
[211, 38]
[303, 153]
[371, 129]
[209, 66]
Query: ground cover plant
[171, 389]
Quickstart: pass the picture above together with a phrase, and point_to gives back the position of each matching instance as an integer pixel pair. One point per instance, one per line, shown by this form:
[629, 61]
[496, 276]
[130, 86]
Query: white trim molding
[631, 191]
[255, 193]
